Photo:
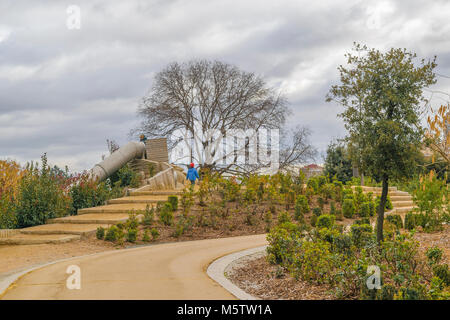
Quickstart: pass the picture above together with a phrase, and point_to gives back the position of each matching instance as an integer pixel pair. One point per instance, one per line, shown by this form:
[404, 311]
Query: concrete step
[64, 228]
[115, 208]
[93, 218]
[156, 193]
[150, 199]
[400, 198]
[372, 189]
[392, 193]
[404, 210]
[397, 204]
[23, 239]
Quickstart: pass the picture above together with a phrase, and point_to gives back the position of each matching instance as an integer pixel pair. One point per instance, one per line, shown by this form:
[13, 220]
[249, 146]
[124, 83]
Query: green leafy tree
[381, 94]
[337, 163]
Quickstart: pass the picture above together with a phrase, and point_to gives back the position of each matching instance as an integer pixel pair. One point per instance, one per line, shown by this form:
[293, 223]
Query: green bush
[388, 205]
[321, 202]
[325, 221]
[348, 208]
[410, 222]
[148, 216]
[313, 184]
[86, 193]
[146, 236]
[112, 234]
[40, 196]
[125, 177]
[301, 207]
[100, 234]
[396, 220]
[442, 272]
[434, 255]
[360, 233]
[317, 212]
[283, 217]
[155, 233]
[173, 200]
[166, 214]
[132, 235]
[365, 209]
[332, 208]
[321, 181]
[132, 221]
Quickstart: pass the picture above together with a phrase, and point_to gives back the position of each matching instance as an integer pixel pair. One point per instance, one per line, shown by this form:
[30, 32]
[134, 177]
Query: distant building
[312, 170]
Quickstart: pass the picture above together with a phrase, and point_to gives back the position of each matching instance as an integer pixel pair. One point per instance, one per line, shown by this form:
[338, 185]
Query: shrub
[166, 214]
[332, 208]
[112, 234]
[173, 200]
[125, 177]
[321, 181]
[132, 221]
[365, 209]
[132, 235]
[283, 217]
[155, 233]
[372, 207]
[317, 212]
[410, 221]
[100, 234]
[348, 208]
[339, 215]
[442, 272]
[313, 185]
[396, 220]
[86, 193]
[388, 205]
[40, 196]
[434, 255]
[301, 207]
[360, 233]
[148, 216]
[146, 236]
[325, 221]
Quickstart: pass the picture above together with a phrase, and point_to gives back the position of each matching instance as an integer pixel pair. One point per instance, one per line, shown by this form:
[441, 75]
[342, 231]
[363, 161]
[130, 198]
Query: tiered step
[401, 201]
[93, 218]
[60, 230]
[39, 239]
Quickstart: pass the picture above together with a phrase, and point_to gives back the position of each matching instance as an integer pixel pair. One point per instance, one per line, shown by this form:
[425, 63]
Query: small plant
[313, 220]
[149, 216]
[112, 234]
[166, 214]
[132, 221]
[339, 215]
[410, 222]
[173, 200]
[325, 221]
[365, 209]
[155, 233]
[301, 207]
[396, 220]
[132, 235]
[317, 212]
[100, 234]
[434, 255]
[332, 208]
[146, 236]
[348, 208]
[283, 217]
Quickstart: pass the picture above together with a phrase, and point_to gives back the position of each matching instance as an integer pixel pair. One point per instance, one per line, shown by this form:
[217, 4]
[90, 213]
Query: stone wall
[157, 150]
[5, 233]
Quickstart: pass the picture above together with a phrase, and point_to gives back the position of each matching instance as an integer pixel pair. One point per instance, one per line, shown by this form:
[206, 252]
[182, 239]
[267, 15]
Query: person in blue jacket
[192, 174]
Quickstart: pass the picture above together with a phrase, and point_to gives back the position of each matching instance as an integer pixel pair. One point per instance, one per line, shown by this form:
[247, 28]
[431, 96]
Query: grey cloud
[66, 92]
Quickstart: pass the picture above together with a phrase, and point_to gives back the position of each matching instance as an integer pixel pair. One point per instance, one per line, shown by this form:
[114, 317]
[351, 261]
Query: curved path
[164, 271]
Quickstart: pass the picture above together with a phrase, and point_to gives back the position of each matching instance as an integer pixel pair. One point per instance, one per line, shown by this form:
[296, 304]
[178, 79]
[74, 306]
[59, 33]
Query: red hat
[192, 165]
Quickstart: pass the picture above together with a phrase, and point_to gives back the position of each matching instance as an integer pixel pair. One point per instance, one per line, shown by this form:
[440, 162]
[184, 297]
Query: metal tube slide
[117, 160]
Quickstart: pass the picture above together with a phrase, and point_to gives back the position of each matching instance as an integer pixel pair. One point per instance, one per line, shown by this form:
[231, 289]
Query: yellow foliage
[10, 175]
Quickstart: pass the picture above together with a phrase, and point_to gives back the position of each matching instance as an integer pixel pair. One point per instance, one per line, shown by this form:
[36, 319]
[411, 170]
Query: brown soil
[267, 281]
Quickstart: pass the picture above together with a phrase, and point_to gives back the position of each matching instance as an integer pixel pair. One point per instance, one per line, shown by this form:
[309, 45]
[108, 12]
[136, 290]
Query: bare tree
[203, 96]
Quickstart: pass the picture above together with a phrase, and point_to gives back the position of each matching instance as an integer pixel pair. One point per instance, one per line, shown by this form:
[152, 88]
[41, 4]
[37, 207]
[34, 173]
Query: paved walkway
[164, 271]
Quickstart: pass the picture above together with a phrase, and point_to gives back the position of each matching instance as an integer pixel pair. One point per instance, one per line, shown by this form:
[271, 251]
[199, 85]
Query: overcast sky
[65, 91]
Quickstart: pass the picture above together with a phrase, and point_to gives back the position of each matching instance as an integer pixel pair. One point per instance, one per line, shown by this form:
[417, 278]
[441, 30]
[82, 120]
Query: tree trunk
[362, 179]
[380, 209]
